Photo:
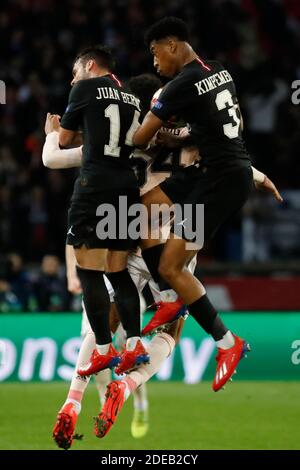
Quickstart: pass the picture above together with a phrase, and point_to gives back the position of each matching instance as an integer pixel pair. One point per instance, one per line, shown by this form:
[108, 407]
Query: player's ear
[89, 65]
[172, 45]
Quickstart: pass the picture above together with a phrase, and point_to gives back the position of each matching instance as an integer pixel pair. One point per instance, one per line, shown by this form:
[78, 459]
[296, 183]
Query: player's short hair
[102, 55]
[166, 27]
[144, 86]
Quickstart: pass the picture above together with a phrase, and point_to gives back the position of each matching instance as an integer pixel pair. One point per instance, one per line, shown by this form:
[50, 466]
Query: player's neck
[188, 55]
[99, 73]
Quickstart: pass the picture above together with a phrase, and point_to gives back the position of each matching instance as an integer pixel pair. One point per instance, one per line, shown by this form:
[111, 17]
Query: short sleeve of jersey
[174, 97]
[78, 100]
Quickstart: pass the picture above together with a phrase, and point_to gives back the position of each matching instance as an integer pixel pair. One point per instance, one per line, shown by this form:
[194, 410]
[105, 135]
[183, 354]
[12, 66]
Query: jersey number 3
[224, 100]
[113, 114]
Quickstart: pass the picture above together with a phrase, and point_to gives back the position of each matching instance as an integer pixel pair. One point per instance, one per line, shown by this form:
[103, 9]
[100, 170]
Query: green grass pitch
[247, 415]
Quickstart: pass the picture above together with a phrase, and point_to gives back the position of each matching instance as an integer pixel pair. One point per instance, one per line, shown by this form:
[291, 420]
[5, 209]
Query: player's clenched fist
[52, 123]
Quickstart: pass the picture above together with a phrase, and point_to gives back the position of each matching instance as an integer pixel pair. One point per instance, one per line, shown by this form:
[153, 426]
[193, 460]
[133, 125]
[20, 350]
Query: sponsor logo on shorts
[70, 231]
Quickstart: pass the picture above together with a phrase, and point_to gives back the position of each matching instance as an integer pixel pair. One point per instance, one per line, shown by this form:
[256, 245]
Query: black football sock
[151, 256]
[207, 317]
[97, 303]
[127, 300]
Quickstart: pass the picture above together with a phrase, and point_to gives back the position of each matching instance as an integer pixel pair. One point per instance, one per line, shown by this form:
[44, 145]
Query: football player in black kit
[203, 94]
[108, 117]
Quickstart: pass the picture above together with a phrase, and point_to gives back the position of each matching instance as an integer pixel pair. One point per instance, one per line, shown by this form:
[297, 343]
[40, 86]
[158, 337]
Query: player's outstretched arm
[147, 130]
[263, 183]
[53, 157]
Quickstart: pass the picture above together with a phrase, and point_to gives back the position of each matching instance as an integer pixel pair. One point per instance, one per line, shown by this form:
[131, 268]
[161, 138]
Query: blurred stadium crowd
[259, 42]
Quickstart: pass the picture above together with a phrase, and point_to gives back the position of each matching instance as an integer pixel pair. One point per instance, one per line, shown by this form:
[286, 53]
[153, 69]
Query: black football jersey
[108, 116]
[204, 96]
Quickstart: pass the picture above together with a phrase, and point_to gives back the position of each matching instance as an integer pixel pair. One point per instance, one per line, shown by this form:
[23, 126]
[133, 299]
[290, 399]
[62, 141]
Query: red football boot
[63, 432]
[115, 398]
[227, 361]
[166, 313]
[132, 359]
[99, 362]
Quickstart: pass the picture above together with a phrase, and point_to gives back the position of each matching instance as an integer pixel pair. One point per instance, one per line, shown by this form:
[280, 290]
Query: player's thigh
[91, 258]
[158, 206]
[176, 254]
[156, 196]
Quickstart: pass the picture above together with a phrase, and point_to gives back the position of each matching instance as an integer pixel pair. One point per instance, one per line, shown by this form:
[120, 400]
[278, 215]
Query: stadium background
[252, 266]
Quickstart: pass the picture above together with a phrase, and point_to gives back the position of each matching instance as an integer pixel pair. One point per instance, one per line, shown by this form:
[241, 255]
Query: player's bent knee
[167, 271]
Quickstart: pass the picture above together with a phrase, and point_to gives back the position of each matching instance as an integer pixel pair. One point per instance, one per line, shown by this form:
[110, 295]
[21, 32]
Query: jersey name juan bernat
[109, 93]
[212, 82]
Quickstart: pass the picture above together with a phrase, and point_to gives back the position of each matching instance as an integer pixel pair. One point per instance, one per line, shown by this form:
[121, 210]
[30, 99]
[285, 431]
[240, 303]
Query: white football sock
[227, 341]
[160, 347]
[140, 401]
[87, 346]
[103, 348]
[102, 379]
[168, 295]
[77, 404]
[131, 343]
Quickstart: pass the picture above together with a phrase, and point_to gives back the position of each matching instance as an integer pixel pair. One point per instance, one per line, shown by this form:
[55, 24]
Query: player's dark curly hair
[168, 26]
[102, 55]
[144, 86]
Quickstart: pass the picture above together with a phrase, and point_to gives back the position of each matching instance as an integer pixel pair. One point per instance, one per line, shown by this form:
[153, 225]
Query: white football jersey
[157, 164]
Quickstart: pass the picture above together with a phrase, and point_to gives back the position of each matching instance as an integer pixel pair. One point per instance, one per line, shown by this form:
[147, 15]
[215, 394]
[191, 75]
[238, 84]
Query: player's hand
[74, 285]
[269, 187]
[52, 123]
[167, 139]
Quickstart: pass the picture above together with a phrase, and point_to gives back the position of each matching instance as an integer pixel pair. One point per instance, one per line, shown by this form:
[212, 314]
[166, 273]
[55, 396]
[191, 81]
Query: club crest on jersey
[157, 105]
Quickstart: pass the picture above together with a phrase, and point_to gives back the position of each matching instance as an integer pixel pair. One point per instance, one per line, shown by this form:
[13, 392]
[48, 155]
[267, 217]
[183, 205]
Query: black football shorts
[100, 220]
[221, 191]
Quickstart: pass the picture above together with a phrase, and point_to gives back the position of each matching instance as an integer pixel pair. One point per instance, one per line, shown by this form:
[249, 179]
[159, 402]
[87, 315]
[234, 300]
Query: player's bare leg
[230, 348]
[160, 347]
[152, 248]
[140, 421]
[172, 268]
[188, 287]
[64, 429]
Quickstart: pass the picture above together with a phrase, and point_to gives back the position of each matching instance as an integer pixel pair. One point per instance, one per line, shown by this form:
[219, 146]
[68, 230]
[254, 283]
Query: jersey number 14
[113, 114]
